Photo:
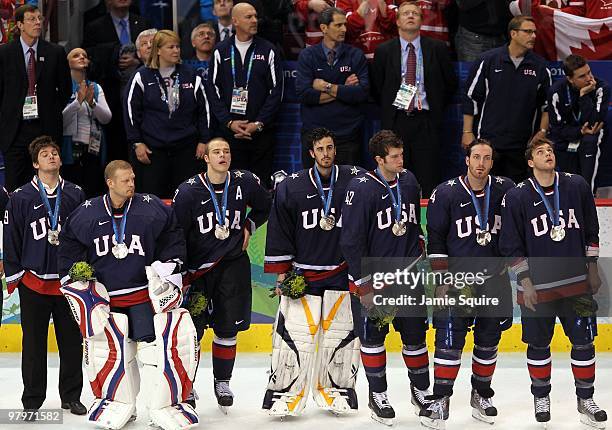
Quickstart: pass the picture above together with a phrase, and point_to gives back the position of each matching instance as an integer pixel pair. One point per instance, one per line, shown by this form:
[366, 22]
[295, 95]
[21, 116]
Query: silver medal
[53, 237]
[399, 228]
[557, 233]
[120, 251]
[222, 232]
[483, 238]
[327, 222]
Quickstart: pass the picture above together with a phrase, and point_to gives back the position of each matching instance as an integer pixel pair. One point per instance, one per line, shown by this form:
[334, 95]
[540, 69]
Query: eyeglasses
[529, 32]
[34, 19]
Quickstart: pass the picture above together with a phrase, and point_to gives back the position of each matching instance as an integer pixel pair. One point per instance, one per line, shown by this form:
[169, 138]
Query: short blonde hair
[113, 166]
[161, 38]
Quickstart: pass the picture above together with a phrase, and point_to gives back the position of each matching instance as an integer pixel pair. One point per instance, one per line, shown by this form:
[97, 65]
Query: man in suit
[222, 10]
[105, 40]
[34, 89]
[414, 80]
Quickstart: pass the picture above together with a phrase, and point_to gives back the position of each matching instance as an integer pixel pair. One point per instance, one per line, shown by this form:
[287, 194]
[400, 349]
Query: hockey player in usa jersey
[35, 214]
[464, 221]
[381, 218]
[136, 247]
[553, 214]
[212, 207]
[303, 234]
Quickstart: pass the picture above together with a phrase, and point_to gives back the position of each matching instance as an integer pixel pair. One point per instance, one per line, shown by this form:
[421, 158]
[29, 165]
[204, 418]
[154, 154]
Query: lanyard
[219, 212]
[552, 214]
[397, 202]
[482, 220]
[174, 103]
[326, 200]
[249, 67]
[119, 232]
[569, 98]
[53, 214]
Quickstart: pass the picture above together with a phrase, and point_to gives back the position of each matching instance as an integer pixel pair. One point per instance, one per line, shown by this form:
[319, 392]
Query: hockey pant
[298, 365]
[169, 365]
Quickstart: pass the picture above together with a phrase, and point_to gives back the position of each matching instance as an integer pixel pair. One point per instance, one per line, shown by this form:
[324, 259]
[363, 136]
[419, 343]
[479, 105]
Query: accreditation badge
[404, 96]
[240, 99]
[30, 107]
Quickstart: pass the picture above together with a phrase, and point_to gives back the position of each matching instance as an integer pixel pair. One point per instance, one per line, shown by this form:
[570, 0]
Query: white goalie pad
[165, 287]
[90, 305]
[110, 360]
[338, 356]
[293, 350]
[169, 367]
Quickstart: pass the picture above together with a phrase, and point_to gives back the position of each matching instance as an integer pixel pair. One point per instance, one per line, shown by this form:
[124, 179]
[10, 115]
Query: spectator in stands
[506, 90]
[414, 80]
[592, 9]
[103, 40]
[482, 26]
[577, 109]
[308, 11]
[436, 19]
[368, 24]
[332, 84]
[144, 42]
[222, 9]
[166, 118]
[34, 88]
[246, 92]
[203, 40]
[84, 146]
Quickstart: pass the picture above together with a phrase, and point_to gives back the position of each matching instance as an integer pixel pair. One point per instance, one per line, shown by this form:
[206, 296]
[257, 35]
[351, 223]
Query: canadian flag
[561, 34]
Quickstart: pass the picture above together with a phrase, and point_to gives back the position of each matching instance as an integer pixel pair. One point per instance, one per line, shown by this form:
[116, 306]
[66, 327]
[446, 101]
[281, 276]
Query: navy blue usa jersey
[526, 234]
[452, 225]
[151, 233]
[28, 256]
[294, 236]
[196, 214]
[368, 217]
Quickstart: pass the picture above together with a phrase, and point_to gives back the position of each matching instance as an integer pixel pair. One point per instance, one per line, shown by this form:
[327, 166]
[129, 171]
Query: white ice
[511, 383]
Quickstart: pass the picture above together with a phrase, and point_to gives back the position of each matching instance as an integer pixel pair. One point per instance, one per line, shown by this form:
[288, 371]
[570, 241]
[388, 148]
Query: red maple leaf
[602, 42]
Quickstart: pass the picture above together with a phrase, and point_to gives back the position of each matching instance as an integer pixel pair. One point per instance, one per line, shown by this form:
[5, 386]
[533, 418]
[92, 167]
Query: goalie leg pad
[110, 360]
[169, 366]
[338, 355]
[90, 305]
[293, 349]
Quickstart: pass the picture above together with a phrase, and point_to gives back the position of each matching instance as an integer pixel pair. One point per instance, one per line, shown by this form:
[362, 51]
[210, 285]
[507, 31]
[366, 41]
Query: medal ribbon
[482, 221]
[53, 214]
[397, 202]
[326, 200]
[552, 214]
[119, 233]
[569, 99]
[219, 212]
[172, 104]
[249, 67]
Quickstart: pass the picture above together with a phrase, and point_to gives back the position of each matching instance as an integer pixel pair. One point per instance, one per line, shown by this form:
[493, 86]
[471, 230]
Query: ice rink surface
[511, 383]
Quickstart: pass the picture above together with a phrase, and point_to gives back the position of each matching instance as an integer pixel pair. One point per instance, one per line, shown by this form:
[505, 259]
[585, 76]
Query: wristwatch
[328, 88]
[259, 125]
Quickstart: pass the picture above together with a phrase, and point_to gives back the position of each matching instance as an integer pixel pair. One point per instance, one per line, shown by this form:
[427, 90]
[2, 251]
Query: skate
[418, 399]
[339, 401]
[225, 397]
[280, 404]
[591, 414]
[482, 408]
[381, 410]
[542, 409]
[436, 413]
[191, 398]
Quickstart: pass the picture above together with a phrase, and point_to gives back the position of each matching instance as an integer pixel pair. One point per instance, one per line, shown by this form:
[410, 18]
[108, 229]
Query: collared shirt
[25, 48]
[420, 75]
[336, 52]
[118, 27]
[221, 28]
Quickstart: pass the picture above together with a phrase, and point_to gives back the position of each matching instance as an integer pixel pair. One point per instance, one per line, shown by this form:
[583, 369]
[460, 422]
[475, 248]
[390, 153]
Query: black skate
[591, 414]
[381, 409]
[436, 413]
[418, 399]
[542, 409]
[225, 397]
[482, 408]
